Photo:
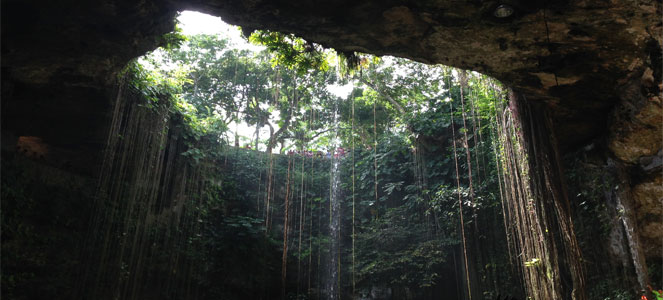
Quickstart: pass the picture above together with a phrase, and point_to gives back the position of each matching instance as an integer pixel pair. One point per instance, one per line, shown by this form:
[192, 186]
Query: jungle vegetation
[231, 192]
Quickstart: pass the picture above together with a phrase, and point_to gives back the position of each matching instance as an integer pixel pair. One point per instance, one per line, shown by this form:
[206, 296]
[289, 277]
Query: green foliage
[152, 84]
[590, 184]
[534, 262]
[291, 51]
[172, 40]
[405, 233]
[608, 290]
[392, 251]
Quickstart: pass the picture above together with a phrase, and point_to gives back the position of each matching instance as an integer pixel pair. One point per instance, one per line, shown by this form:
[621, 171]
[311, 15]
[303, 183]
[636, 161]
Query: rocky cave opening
[586, 80]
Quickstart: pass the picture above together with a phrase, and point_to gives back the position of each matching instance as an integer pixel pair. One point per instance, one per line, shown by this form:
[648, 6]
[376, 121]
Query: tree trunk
[274, 136]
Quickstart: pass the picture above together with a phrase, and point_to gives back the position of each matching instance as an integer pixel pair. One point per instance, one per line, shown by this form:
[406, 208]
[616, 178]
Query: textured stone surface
[649, 212]
[637, 129]
[59, 61]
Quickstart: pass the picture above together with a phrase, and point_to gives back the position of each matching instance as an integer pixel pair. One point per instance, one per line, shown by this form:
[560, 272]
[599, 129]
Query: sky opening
[193, 23]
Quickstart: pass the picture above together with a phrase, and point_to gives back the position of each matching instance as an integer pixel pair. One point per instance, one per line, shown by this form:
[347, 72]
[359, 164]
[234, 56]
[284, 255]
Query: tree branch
[391, 100]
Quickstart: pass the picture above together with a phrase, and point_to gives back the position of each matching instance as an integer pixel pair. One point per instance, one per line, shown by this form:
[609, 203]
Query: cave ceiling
[580, 58]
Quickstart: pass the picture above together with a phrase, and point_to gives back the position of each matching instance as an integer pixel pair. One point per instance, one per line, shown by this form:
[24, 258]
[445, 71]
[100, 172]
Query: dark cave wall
[141, 227]
[594, 66]
[59, 68]
[44, 217]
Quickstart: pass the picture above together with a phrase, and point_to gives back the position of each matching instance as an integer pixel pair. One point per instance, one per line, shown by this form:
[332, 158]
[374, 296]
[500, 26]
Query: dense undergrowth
[407, 235]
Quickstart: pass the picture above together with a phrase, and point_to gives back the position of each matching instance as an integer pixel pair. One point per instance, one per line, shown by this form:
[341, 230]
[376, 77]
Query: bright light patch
[193, 22]
[341, 91]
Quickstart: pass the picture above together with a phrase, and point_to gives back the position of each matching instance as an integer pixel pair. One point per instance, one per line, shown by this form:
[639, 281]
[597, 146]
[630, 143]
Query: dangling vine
[460, 201]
